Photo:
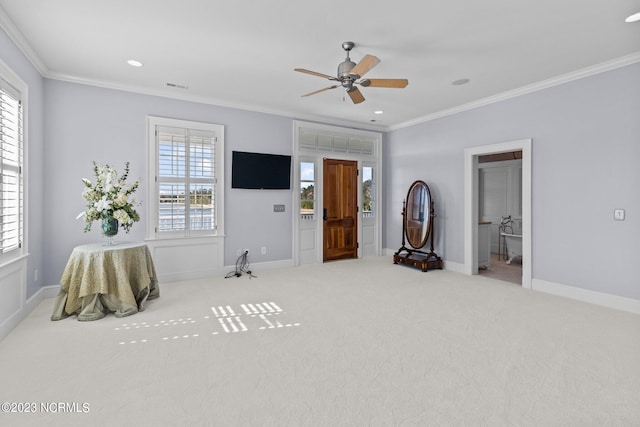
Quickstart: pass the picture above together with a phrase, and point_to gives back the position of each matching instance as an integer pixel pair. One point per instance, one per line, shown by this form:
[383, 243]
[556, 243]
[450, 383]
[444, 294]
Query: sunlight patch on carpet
[242, 318]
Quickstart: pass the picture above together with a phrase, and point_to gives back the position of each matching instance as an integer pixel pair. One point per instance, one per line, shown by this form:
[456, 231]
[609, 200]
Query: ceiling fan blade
[320, 90]
[393, 83]
[365, 64]
[315, 73]
[355, 95]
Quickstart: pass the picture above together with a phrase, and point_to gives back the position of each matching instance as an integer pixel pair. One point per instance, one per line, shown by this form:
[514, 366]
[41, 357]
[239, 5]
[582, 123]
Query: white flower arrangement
[110, 196]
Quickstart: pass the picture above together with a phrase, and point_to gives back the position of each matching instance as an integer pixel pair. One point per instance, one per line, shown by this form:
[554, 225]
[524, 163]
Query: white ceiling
[242, 53]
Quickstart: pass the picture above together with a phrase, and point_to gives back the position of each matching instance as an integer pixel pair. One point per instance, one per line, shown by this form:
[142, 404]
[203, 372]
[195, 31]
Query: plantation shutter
[186, 181]
[11, 158]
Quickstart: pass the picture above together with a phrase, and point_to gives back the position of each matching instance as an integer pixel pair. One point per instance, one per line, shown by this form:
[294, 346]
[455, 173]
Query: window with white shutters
[11, 165]
[187, 168]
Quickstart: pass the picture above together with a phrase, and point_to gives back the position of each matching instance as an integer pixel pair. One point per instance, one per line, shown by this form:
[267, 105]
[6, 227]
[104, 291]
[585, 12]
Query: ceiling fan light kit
[350, 73]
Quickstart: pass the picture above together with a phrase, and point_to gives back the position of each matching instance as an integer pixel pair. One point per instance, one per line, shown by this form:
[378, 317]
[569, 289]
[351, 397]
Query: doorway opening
[355, 150]
[500, 216]
[472, 202]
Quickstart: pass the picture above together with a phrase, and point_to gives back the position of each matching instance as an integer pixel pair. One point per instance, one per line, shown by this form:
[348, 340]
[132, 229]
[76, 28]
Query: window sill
[177, 238]
[7, 263]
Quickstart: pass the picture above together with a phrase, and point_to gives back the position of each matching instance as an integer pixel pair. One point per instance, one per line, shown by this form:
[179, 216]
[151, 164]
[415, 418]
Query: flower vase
[109, 229]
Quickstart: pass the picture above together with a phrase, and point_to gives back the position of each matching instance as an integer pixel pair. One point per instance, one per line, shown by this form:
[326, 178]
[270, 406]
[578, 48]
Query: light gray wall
[20, 65]
[585, 155]
[86, 123]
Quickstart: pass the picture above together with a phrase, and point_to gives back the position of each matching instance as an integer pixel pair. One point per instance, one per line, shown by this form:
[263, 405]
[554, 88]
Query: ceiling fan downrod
[344, 68]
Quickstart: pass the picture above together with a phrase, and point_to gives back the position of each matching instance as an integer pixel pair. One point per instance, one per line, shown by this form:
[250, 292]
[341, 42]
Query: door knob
[324, 214]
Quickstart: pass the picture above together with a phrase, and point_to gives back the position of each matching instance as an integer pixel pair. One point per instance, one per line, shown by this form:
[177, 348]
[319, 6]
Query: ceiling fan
[350, 74]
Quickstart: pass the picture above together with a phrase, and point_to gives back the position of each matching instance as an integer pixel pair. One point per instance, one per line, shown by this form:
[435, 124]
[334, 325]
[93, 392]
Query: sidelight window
[307, 190]
[368, 192]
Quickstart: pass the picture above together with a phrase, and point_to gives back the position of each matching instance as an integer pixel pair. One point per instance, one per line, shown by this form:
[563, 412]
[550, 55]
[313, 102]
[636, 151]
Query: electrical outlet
[245, 251]
[278, 208]
[263, 250]
[618, 214]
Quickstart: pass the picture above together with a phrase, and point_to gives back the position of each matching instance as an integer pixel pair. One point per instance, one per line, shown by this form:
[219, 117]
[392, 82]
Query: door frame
[471, 208]
[374, 160]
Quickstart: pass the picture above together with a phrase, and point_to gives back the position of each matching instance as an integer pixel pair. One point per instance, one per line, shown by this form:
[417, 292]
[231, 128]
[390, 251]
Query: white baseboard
[189, 275]
[11, 322]
[586, 295]
[593, 297]
[14, 320]
[454, 266]
[446, 265]
[255, 267]
[45, 292]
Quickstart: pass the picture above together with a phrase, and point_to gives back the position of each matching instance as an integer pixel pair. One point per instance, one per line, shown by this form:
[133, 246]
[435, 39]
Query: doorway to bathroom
[500, 216]
[473, 227]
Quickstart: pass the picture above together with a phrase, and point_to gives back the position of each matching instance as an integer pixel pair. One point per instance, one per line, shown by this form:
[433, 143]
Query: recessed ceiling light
[134, 63]
[378, 112]
[460, 82]
[633, 18]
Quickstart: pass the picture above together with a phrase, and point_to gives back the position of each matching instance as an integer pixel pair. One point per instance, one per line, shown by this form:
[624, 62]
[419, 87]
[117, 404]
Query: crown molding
[544, 84]
[18, 39]
[176, 94]
[554, 81]
[16, 36]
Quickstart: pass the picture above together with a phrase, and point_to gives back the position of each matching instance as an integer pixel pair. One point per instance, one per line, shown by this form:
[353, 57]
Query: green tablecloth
[99, 279]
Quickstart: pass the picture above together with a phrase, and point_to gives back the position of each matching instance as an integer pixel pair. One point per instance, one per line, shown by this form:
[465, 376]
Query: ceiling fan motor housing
[344, 73]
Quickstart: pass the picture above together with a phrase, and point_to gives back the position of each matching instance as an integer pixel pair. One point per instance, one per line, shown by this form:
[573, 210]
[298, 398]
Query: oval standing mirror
[417, 218]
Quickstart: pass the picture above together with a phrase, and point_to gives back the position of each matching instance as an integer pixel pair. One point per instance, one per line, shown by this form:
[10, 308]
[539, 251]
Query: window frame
[17, 89]
[217, 182]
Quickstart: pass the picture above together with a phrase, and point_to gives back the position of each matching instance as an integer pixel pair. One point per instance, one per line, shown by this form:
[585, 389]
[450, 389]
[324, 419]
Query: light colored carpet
[356, 343]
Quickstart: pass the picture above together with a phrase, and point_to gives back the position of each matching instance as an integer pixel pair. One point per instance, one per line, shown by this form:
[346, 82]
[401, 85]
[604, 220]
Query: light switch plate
[618, 214]
[278, 208]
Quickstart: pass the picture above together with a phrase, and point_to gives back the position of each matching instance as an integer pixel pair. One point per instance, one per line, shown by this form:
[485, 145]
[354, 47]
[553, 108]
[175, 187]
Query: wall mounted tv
[260, 171]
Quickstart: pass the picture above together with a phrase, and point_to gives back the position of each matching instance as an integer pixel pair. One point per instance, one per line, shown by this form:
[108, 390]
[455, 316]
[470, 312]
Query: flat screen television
[260, 171]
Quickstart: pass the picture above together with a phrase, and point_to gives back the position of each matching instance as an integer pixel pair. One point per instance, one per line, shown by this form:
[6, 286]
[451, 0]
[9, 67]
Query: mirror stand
[418, 230]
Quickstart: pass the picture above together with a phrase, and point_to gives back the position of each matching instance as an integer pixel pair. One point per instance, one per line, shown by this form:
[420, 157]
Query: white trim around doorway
[366, 157]
[471, 204]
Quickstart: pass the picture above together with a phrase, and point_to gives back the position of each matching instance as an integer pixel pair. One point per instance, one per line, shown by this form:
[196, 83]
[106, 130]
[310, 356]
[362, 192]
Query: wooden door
[340, 209]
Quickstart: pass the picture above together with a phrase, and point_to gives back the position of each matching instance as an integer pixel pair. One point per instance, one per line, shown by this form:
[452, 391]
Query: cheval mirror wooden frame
[418, 215]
